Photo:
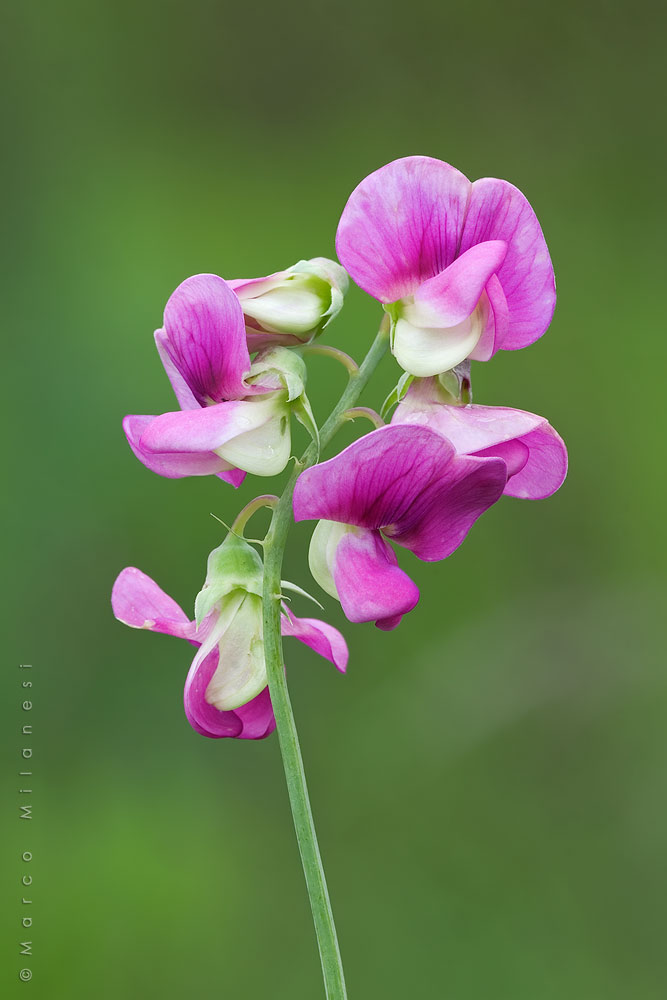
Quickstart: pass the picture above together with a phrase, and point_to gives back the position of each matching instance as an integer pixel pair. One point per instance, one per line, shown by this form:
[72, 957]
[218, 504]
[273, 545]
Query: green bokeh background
[489, 780]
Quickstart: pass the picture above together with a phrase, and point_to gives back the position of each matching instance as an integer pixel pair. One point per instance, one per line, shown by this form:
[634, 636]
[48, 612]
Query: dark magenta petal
[252, 721]
[445, 511]
[407, 480]
[256, 717]
[499, 211]
[206, 719]
[370, 584]
[402, 225]
[204, 338]
[137, 601]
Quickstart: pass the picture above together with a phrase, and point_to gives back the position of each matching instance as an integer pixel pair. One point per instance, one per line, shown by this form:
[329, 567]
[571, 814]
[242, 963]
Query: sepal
[234, 565]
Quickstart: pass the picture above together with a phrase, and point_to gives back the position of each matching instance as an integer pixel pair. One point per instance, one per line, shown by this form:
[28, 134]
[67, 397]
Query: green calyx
[234, 565]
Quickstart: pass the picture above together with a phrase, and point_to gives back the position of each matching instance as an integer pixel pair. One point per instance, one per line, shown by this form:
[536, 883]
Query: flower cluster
[462, 271]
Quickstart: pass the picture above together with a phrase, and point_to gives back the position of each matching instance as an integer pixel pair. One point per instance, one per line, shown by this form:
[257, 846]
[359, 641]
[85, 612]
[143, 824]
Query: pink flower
[404, 483]
[224, 649]
[535, 455]
[226, 425]
[463, 269]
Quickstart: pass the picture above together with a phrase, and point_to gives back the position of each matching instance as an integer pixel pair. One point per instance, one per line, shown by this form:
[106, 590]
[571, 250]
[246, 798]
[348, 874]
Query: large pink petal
[371, 585]
[375, 480]
[176, 465]
[402, 225]
[204, 336]
[445, 511]
[452, 295]
[407, 480]
[499, 211]
[137, 601]
[323, 638]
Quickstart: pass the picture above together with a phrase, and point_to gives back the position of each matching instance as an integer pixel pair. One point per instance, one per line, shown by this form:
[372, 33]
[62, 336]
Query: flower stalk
[274, 547]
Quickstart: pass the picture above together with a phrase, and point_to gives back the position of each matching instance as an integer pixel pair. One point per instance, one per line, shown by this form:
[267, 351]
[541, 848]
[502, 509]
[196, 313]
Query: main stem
[274, 547]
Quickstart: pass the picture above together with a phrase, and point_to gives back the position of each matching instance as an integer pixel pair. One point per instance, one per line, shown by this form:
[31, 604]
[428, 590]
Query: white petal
[296, 306]
[322, 553]
[241, 671]
[427, 350]
[264, 450]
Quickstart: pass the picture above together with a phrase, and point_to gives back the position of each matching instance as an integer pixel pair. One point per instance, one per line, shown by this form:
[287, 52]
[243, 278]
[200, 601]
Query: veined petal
[320, 636]
[402, 225]
[204, 337]
[424, 351]
[176, 465]
[137, 601]
[499, 211]
[375, 480]
[407, 480]
[451, 296]
[185, 397]
[447, 509]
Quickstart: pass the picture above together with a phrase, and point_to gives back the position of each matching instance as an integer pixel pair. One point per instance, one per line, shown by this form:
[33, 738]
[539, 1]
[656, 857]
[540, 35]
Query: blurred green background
[489, 780]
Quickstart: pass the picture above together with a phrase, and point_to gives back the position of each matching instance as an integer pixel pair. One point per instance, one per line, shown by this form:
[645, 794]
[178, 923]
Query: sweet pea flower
[226, 692]
[405, 483]
[292, 306]
[535, 454]
[234, 416]
[462, 269]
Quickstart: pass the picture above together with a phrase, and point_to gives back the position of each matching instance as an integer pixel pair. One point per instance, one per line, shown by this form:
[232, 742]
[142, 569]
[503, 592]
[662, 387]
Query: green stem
[274, 546]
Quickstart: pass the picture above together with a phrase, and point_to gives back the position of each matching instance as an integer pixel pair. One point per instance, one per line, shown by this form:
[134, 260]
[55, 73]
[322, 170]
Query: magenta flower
[535, 454]
[225, 648]
[404, 483]
[227, 425]
[463, 269]
[292, 306]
